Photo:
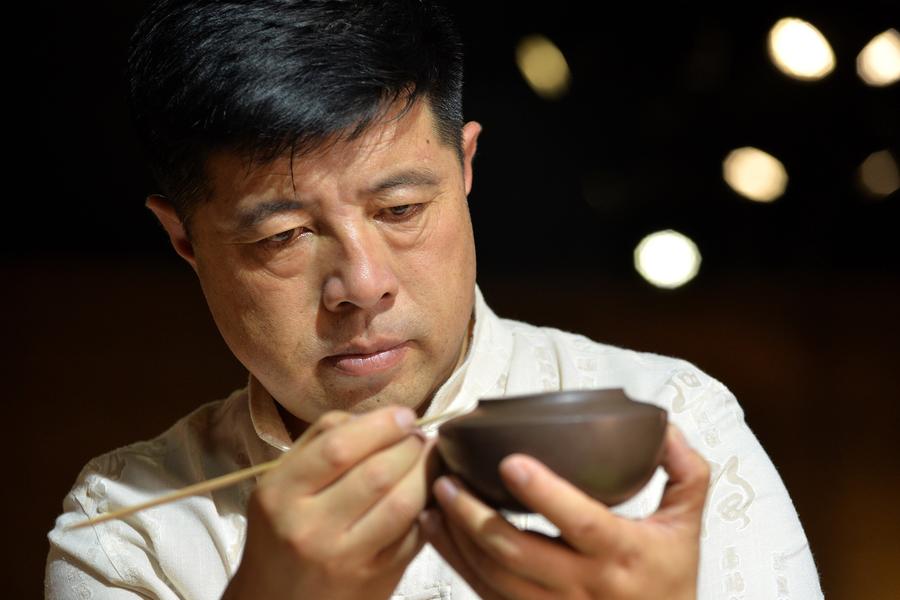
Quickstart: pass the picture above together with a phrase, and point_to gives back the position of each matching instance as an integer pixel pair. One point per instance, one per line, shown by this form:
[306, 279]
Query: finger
[686, 489]
[524, 554]
[370, 480]
[391, 516]
[587, 525]
[438, 536]
[503, 581]
[434, 467]
[401, 552]
[327, 421]
[309, 467]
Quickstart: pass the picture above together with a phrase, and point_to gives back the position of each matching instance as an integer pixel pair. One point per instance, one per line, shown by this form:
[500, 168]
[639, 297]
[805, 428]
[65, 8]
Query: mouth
[359, 361]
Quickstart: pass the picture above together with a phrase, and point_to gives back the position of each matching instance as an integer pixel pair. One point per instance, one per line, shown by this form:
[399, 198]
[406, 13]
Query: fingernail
[445, 489]
[405, 418]
[516, 471]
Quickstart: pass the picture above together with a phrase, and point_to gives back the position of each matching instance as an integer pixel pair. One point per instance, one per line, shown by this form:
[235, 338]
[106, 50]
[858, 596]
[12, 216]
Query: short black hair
[266, 77]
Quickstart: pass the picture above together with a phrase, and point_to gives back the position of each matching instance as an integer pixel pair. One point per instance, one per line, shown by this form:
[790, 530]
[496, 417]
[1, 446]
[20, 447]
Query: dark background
[795, 308]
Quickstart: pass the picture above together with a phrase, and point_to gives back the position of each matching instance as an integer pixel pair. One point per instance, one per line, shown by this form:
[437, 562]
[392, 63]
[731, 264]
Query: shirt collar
[267, 423]
[448, 396]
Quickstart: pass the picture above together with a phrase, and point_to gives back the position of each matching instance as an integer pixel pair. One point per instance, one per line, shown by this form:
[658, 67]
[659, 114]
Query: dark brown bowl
[600, 440]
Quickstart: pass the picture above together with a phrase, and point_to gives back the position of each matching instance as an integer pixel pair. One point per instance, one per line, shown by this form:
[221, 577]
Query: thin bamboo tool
[218, 483]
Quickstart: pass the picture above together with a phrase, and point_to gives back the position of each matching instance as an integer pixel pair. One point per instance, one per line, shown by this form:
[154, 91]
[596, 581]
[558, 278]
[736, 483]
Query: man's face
[346, 278]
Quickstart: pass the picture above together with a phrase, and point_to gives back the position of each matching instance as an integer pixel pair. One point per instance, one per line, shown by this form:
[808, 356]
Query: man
[315, 168]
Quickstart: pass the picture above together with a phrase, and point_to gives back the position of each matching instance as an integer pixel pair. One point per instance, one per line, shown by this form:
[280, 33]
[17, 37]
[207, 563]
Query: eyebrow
[421, 176]
[255, 215]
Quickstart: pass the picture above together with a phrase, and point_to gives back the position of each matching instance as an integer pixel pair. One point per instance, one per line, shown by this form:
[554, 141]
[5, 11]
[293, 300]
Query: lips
[361, 360]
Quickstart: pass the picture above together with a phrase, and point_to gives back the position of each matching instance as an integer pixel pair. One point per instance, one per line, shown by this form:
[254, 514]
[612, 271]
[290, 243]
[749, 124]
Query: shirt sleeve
[109, 561]
[68, 578]
[753, 546]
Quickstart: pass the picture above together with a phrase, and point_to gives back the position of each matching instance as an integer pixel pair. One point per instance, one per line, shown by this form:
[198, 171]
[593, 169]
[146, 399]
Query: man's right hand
[338, 517]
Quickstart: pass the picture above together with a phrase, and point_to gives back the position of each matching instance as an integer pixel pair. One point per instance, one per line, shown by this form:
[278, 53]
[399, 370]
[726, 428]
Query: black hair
[266, 77]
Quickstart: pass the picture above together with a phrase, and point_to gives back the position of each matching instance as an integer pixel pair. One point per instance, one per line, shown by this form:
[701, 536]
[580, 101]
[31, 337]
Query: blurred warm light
[754, 174]
[878, 63]
[879, 174]
[667, 259]
[800, 50]
[543, 66]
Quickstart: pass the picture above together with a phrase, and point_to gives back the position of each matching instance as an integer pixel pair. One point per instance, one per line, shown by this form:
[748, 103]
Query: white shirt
[752, 545]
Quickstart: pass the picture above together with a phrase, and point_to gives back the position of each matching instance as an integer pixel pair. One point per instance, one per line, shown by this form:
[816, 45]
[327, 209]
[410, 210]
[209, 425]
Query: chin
[359, 395]
[379, 401]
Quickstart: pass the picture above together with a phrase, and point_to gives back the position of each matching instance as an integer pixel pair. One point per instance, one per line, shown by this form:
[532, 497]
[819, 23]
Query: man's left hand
[598, 554]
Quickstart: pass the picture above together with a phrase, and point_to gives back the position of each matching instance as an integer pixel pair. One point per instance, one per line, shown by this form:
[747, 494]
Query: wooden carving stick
[217, 483]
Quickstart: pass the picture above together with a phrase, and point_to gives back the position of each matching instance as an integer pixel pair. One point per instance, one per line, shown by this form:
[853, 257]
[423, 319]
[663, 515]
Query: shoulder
[124, 551]
[170, 460]
[581, 362]
[194, 434]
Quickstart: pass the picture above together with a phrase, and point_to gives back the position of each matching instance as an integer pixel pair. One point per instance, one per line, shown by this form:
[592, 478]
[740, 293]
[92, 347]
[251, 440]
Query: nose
[362, 276]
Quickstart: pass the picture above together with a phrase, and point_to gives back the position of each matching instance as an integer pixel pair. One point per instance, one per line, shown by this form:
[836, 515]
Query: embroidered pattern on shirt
[587, 366]
[733, 507]
[733, 579]
[690, 395]
[546, 368]
[780, 568]
[500, 386]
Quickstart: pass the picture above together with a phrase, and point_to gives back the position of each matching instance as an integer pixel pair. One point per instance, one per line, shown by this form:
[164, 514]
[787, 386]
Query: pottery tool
[220, 482]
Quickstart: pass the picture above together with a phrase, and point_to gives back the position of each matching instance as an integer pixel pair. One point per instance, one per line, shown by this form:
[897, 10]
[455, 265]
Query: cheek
[453, 249]
[256, 313]
[443, 269]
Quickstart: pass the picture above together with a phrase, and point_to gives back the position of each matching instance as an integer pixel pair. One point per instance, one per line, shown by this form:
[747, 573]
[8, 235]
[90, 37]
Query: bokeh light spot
[543, 66]
[667, 259]
[878, 64]
[800, 50]
[879, 175]
[754, 174]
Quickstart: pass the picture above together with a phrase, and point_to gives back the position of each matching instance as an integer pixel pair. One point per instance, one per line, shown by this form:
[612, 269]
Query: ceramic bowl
[600, 440]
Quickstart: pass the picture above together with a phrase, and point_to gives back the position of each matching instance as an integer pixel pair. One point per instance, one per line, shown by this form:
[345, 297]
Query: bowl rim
[482, 414]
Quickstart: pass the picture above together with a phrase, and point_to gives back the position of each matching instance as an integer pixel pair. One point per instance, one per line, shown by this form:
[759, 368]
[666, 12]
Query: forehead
[408, 138]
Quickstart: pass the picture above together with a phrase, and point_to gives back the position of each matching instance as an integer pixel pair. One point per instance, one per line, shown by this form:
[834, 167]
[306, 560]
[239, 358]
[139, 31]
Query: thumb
[688, 471]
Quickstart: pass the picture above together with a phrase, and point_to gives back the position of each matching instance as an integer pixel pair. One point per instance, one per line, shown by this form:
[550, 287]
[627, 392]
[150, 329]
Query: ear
[470, 133]
[170, 221]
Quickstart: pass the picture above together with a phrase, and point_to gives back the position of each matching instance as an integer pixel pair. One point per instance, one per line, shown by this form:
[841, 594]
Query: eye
[402, 211]
[283, 238]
